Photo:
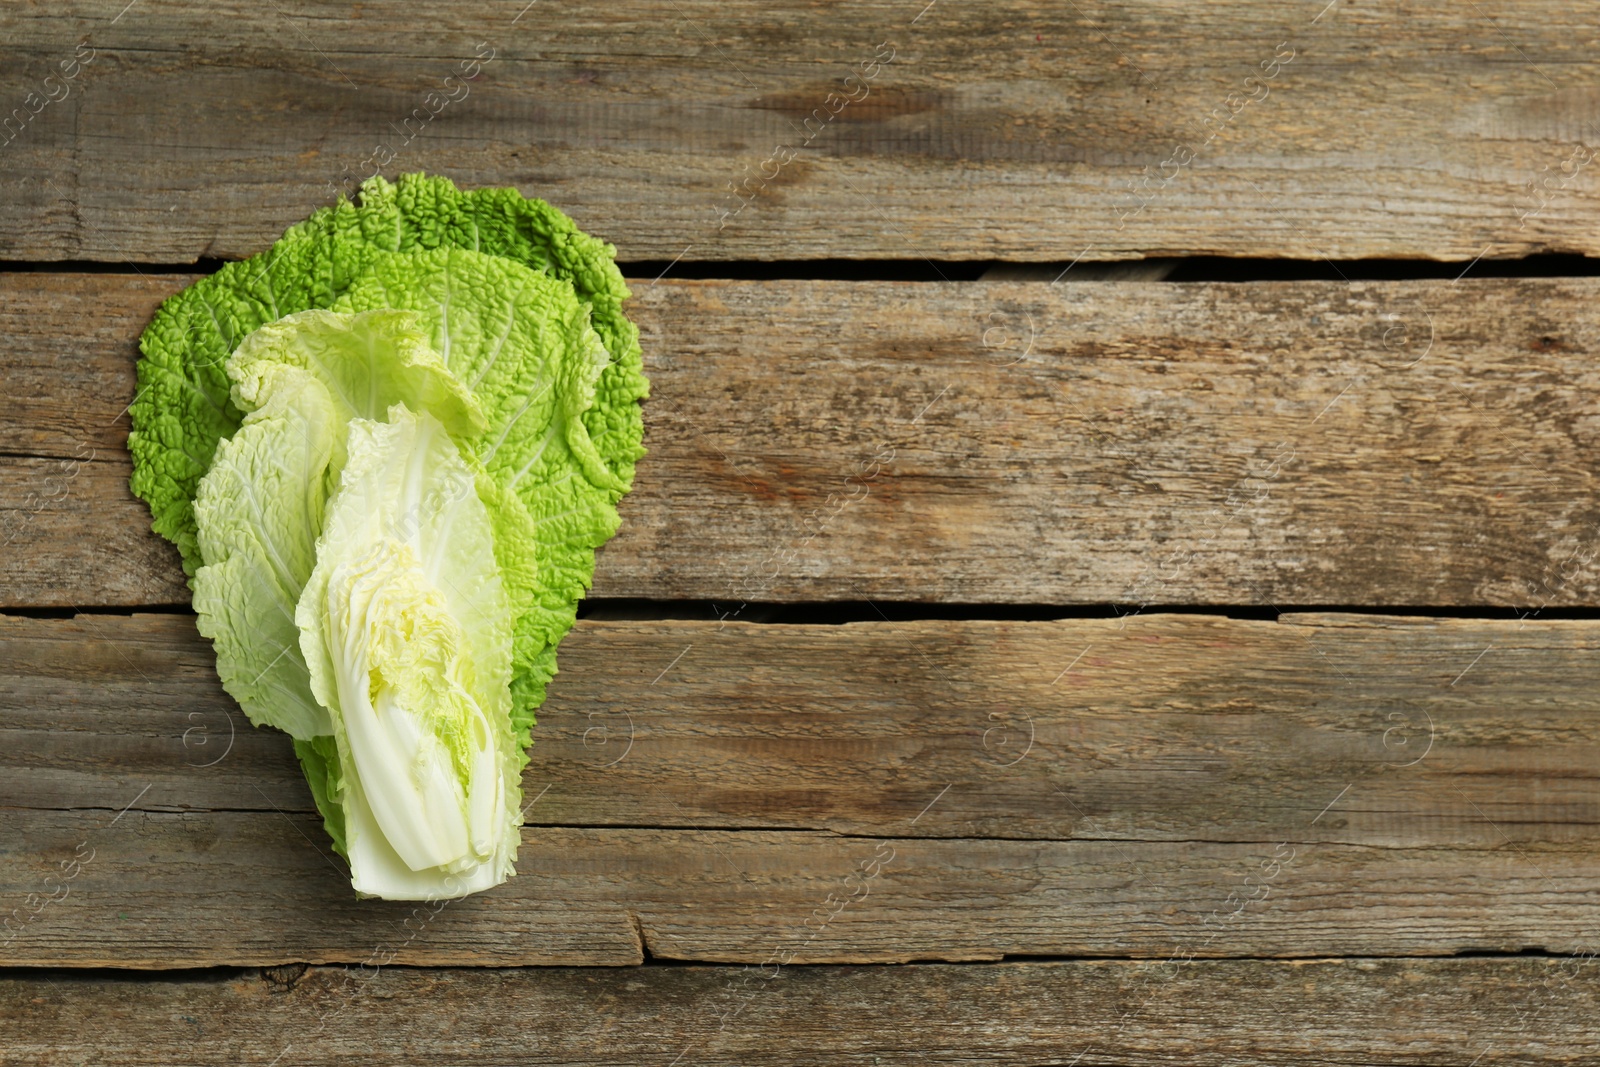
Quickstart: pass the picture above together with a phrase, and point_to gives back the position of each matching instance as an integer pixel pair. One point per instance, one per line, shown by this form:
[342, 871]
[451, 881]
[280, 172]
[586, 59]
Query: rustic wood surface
[1333, 784]
[1157, 728]
[1327, 1013]
[194, 889]
[1259, 839]
[1339, 444]
[1018, 130]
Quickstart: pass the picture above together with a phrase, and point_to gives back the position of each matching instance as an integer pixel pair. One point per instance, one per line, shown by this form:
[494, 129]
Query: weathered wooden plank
[172, 890]
[1230, 788]
[1373, 443]
[73, 535]
[1427, 732]
[1314, 1013]
[70, 342]
[716, 131]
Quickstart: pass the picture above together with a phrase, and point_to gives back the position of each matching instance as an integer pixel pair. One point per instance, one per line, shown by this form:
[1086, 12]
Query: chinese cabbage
[407, 633]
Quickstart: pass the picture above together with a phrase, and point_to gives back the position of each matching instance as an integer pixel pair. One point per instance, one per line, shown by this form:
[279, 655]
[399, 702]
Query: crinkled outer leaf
[407, 633]
[260, 507]
[259, 511]
[523, 342]
[182, 408]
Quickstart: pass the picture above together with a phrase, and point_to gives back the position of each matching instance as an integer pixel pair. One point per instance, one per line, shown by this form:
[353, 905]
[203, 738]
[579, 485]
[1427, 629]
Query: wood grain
[1331, 785]
[1183, 792]
[1113, 130]
[1308, 444]
[1427, 732]
[1312, 1013]
[194, 889]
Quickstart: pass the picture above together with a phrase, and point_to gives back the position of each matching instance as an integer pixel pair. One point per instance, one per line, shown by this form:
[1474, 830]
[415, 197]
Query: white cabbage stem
[429, 817]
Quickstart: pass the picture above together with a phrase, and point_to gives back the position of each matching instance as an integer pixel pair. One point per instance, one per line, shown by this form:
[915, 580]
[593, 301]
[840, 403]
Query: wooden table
[1206, 674]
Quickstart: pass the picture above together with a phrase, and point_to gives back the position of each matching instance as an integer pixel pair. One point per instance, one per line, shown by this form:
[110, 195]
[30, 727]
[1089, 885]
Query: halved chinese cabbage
[232, 454]
[407, 631]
